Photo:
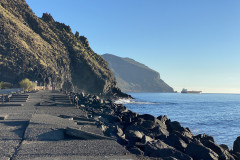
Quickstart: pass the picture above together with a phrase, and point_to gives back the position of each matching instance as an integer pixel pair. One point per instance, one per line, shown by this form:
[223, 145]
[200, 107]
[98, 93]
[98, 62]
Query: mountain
[47, 51]
[133, 76]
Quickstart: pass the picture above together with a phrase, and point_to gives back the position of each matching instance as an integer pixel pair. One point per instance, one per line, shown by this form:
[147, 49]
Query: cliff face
[47, 51]
[133, 76]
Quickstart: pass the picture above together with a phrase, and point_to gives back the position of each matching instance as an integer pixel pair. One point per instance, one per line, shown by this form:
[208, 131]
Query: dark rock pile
[146, 135]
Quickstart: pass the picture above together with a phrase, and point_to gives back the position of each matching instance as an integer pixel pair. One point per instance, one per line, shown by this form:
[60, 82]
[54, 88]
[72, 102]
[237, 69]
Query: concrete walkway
[38, 130]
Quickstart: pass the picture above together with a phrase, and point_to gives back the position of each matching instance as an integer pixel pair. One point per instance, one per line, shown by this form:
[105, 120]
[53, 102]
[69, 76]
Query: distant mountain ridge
[132, 76]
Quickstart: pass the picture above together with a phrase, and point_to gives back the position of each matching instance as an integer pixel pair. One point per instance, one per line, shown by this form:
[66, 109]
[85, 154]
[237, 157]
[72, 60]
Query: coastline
[110, 129]
[149, 136]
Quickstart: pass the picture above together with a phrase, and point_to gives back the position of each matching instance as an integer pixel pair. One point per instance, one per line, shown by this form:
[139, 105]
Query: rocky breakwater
[153, 137]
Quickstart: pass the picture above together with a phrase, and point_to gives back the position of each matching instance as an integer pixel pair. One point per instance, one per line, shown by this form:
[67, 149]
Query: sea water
[217, 115]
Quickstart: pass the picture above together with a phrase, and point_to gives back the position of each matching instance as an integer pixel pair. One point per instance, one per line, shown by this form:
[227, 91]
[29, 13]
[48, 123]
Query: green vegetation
[0, 85]
[27, 85]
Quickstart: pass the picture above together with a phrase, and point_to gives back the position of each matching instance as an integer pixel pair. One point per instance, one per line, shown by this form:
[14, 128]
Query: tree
[0, 85]
[33, 86]
[26, 84]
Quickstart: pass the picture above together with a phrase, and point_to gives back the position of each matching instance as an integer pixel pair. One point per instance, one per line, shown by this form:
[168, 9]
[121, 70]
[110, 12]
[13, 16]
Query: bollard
[2, 98]
[76, 101]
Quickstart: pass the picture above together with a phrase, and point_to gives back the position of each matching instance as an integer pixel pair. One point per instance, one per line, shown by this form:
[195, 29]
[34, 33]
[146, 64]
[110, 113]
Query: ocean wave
[132, 101]
[123, 101]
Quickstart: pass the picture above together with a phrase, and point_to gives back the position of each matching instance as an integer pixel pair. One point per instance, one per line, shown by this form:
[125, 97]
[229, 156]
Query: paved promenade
[38, 130]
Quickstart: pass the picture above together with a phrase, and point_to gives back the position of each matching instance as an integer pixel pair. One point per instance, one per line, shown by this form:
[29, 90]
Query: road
[38, 132]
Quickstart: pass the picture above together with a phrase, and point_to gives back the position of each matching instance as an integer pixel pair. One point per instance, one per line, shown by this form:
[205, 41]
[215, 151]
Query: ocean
[217, 115]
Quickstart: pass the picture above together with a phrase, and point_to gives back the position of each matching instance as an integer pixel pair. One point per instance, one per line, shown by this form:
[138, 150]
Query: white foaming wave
[123, 101]
[131, 101]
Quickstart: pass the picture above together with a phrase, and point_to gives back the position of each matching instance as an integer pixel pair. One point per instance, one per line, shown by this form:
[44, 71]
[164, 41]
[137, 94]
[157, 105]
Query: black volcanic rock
[167, 140]
[236, 145]
[133, 76]
[44, 50]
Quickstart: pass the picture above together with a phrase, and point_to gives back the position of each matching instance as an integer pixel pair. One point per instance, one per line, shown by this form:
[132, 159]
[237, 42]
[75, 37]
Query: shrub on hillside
[33, 86]
[27, 85]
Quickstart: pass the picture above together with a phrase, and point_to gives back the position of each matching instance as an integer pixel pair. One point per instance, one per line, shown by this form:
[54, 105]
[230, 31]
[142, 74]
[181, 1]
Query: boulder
[122, 140]
[107, 101]
[147, 117]
[155, 146]
[206, 137]
[161, 124]
[121, 109]
[226, 156]
[140, 145]
[160, 149]
[146, 139]
[82, 94]
[126, 119]
[138, 121]
[213, 146]
[222, 153]
[108, 111]
[111, 118]
[103, 127]
[120, 132]
[187, 133]
[159, 132]
[110, 131]
[176, 142]
[236, 145]
[135, 150]
[148, 124]
[199, 152]
[163, 119]
[185, 138]
[133, 126]
[170, 152]
[224, 146]
[133, 135]
[198, 137]
[176, 126]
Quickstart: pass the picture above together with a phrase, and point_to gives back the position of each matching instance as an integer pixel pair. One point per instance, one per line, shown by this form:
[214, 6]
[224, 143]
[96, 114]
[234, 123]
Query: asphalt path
[37, 132]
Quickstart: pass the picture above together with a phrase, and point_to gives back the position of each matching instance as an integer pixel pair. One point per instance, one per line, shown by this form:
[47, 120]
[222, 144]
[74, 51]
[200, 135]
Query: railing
[9, 91]
[5, 94]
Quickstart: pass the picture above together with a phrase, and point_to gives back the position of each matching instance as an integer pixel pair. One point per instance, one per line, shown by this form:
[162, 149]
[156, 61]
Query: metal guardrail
[6, 93]
[9, 91]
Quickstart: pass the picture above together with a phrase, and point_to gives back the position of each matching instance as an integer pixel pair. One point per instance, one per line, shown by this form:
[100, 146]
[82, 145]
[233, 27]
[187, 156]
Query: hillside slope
[133, 76]
[47, 51]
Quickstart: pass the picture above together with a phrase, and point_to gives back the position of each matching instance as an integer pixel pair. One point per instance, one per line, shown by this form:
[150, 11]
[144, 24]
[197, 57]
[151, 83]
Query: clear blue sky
[193, 44]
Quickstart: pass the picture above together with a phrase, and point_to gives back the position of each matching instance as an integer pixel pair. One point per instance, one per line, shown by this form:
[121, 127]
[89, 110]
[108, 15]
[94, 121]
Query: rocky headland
[132, 76]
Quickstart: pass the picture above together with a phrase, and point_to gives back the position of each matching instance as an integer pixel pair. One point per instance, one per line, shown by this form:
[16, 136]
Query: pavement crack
[20, 143]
